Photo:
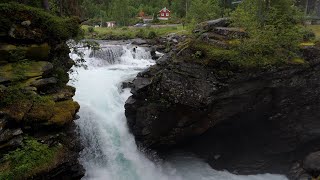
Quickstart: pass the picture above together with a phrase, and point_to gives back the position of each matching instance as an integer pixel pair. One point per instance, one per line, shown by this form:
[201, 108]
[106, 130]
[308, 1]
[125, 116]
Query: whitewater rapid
[110, 151]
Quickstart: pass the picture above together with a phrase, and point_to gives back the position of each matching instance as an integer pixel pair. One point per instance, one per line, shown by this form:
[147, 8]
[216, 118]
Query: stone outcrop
[248, 121]
[35, 103]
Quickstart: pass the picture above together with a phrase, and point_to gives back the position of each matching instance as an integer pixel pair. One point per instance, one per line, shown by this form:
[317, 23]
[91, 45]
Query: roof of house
[164, 9]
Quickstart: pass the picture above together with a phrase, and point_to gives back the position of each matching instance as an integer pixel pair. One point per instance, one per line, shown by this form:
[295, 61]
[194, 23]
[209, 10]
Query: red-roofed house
[164, 14]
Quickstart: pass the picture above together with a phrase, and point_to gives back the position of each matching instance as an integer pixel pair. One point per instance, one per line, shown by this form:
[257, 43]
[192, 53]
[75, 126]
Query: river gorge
[110, 151]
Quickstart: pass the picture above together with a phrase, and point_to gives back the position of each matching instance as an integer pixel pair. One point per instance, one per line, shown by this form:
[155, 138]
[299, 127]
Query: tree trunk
[61, 7]
[45, 5]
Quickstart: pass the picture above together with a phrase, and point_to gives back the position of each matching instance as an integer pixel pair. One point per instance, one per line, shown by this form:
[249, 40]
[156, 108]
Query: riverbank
[124, 33]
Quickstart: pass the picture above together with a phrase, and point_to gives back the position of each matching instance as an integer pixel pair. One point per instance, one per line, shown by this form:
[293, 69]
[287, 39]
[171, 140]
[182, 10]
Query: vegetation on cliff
[46, 26]
[35, 103]
[33, 157]
[258, 34]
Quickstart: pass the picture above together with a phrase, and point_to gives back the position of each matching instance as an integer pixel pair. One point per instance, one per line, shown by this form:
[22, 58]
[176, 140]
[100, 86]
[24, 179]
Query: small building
[164, 14]
[111, 24]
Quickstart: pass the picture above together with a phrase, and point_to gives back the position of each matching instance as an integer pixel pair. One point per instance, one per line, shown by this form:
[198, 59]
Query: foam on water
[110, 151]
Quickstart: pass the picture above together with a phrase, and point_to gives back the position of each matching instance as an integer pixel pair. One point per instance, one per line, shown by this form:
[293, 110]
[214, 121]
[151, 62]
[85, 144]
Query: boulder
[311, 164]
[251, 118]
[8, 134]
[210, 25]
[17, 110]
[44, 82]
[139, 42]
[64, 112]
[62, 94]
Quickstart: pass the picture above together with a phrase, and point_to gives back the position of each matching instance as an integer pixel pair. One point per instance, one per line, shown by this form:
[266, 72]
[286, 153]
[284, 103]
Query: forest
[126, 11]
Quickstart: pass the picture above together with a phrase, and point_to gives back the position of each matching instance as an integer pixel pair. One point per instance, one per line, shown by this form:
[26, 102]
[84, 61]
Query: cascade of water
[110, 151]
[108, 53]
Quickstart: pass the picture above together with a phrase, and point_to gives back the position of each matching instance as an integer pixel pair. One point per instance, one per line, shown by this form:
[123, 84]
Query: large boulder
[249, 119]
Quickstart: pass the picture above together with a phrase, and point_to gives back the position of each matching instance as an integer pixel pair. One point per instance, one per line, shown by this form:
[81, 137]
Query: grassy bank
[132, 32]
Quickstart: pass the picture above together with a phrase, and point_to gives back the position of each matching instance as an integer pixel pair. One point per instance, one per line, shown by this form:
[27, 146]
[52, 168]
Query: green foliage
[140, 33]
[202, 10]
[272, 27]
[90, 29]
[11, 95]
[152, 35]
[55, 28]
[30, 158]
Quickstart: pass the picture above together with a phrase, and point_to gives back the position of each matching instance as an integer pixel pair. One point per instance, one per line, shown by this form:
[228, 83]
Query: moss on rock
[41, 111]
[12, 53]
[23, 70]
[32, 158]
[64, 112]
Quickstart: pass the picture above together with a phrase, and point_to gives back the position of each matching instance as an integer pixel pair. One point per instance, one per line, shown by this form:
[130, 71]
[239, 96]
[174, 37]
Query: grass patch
[131, 32]
[31, 158]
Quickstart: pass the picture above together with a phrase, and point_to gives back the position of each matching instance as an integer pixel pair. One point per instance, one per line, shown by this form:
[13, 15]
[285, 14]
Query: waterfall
[110, 151]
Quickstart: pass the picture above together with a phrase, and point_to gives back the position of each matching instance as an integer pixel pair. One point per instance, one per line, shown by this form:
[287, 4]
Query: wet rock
[139, 42]
[8, 134]
[44, 82]
[127, 85]
[312, 164]
[12, 143]
[63, 94]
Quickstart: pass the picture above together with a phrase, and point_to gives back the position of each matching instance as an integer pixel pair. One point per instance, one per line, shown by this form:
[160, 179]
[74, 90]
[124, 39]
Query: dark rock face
[246, 122]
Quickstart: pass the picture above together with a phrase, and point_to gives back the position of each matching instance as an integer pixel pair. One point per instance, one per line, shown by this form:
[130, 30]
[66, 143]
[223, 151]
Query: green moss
[31, 158]
[53, 28]
[64, 112]
[22, 70]
[209, 54]
[307, 44]
[298, 60]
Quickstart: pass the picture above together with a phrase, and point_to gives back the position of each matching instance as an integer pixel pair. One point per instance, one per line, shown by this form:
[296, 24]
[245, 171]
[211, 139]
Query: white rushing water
[110, 152]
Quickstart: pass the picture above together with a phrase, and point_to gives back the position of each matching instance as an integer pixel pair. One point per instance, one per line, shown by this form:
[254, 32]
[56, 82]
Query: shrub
[152, 35]
[308, 34]
[90, 29]
[140, 33]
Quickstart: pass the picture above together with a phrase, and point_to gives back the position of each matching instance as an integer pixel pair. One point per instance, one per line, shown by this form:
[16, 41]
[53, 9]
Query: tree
[272, 26]
[202, 10]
